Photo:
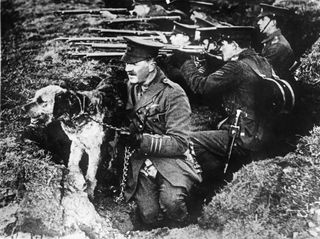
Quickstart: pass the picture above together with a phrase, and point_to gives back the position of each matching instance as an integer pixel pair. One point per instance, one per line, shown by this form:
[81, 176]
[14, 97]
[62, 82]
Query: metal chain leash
[127, 155]
[123, 130]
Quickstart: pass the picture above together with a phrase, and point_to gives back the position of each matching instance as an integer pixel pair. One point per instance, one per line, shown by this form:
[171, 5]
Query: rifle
[143, 19]
[191, 49]
[168, 48]
[91, 11]
[95, 54]
[86, 39]
[100, 39]
[129, 32]
[94, 39]
[114, 47]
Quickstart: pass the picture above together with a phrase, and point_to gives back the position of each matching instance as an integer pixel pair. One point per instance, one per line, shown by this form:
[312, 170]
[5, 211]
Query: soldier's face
[179, 40]
[227, 50]
[139, 71]
[264, 24]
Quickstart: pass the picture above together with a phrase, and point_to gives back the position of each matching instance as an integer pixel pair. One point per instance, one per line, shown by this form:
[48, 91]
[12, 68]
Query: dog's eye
[39, 100]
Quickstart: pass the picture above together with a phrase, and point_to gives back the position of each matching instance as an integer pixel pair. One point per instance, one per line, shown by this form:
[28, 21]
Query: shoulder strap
[264, 77]
[281, 84]
[255, 69]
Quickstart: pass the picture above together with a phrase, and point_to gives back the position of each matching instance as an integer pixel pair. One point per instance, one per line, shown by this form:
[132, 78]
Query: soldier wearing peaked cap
[280, 55]
[276, 48]
[161, 171]
[241, 93]
[184, 34]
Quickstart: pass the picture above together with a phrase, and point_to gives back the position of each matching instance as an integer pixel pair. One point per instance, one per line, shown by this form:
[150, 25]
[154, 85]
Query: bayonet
[234, 132]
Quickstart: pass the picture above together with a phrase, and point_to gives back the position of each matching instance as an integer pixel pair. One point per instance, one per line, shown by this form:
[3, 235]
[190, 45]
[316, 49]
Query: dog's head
[41, 107]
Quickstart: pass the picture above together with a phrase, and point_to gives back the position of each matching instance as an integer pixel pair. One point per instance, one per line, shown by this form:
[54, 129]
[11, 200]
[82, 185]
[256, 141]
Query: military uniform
[162, 171]
[163, 114]
[239, 88]
[276, 48]
[279, 53]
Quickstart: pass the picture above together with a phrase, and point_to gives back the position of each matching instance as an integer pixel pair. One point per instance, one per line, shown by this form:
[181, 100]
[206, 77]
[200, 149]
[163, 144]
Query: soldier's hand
[200, 63]
[128, 137]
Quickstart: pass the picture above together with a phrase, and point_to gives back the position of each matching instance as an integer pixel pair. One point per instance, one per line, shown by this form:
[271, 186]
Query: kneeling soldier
[161, 171]
[247, 126]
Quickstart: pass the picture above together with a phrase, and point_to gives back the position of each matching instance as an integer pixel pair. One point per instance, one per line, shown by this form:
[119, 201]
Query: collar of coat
[247, 52]
[277, 33]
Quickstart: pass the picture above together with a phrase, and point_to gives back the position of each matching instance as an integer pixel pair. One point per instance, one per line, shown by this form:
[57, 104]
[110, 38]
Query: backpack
[278, 94]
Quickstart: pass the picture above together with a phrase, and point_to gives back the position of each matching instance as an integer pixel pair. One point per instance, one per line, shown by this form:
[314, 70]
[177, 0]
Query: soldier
[161, 171]
[280, 55]
[276, 48]
[183, 35]
[242, 96]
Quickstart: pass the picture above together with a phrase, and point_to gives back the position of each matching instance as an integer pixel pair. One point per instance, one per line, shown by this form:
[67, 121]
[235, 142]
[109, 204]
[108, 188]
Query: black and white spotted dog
[83, 116]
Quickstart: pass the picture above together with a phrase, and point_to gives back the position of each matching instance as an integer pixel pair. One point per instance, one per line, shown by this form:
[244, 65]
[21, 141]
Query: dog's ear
[61, 103]
[66, 102]
[64, 84]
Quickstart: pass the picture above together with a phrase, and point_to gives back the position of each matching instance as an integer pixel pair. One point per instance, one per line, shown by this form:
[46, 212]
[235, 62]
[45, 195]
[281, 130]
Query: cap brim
[131, 59]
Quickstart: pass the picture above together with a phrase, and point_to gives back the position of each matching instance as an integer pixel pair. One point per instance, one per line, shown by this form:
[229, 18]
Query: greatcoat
[163, 116]
[239, 88]
[279, 53]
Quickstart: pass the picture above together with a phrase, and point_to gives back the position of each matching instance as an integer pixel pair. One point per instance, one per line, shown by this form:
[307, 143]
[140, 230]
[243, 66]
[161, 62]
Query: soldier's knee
[174, 206]
[149, 215]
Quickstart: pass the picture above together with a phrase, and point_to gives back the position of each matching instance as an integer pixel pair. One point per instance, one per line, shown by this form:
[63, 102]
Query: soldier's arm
[276, 54]
[177, 120]
[216, 83]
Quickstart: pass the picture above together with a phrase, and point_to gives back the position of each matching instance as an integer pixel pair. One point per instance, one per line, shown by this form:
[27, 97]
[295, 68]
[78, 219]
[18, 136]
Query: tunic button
[139, 111]
[140, 126]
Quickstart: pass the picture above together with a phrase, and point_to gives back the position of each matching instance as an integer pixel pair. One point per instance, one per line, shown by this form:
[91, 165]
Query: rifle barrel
[144, 19]
[109, 46]
[104, 54]
[96, 54]
[129, 32]
[82, 44]
[91, 11]
[93, 39]
[61, 39]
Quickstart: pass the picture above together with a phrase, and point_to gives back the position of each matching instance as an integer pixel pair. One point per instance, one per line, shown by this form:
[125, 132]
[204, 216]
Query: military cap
[272, 11]
[182, 5]
[204, 22]
[235, 33]
[201, 6]
[140, 49]
[185, 29]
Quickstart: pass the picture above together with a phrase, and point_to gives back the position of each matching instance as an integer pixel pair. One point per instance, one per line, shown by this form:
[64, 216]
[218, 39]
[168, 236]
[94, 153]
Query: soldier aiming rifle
[238, 137]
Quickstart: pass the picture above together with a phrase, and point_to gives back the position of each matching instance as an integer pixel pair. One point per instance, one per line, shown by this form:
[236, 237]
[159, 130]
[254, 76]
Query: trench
[122, 216]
